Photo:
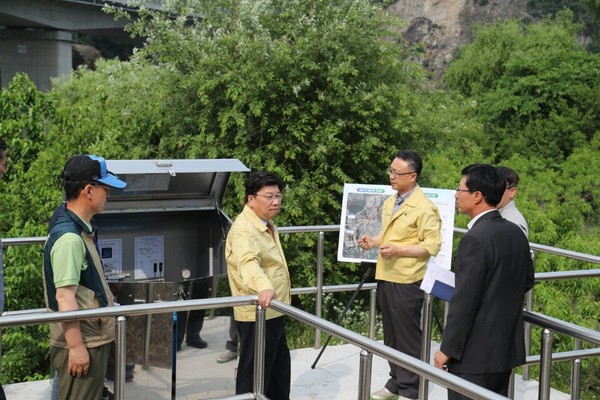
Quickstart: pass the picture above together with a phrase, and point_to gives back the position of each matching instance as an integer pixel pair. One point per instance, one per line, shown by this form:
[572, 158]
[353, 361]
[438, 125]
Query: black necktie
[271, 229]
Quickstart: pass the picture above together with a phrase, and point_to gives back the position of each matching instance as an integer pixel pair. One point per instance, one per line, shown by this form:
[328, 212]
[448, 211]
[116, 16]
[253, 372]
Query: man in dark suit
[483, 339]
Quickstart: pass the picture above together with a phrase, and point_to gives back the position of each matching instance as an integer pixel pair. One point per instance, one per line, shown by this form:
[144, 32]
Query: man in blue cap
[74, 280]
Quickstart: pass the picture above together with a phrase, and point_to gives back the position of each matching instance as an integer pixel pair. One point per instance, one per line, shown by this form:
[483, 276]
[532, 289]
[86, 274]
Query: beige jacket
[417, 221]
[255, 262]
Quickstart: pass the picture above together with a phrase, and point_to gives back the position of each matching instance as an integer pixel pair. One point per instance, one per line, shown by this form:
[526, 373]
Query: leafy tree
[535, 86]
[313, 92]
[535, 91]
[24, 116]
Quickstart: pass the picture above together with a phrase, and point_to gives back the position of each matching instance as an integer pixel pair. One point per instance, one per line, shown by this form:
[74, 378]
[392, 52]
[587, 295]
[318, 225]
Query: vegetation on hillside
[324, 96]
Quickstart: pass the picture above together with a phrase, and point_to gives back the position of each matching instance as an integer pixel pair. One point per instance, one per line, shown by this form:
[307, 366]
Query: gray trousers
[401, 305]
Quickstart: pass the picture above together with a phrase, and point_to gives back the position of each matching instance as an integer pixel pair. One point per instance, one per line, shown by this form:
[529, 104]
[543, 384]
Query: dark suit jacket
[484, 329]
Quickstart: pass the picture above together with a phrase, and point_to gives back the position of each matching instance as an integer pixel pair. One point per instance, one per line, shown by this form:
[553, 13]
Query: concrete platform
[199, 376]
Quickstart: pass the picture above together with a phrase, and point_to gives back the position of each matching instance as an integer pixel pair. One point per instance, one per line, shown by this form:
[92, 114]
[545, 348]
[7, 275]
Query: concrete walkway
[199, 376]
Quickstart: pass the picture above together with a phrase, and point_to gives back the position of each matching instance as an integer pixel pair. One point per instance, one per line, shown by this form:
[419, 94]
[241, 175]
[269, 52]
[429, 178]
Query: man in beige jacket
[256, 265]
[410, 235]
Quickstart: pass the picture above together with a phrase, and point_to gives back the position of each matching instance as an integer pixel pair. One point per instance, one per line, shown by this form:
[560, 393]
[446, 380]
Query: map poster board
[361, 215]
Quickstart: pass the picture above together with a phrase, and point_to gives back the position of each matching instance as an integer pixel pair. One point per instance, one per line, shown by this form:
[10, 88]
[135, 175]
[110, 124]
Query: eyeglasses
[271, 197]
[463, 190]
[390, 171]
[105, 188]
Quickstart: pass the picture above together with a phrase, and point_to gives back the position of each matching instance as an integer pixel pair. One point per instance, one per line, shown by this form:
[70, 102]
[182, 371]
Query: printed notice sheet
[149, 257]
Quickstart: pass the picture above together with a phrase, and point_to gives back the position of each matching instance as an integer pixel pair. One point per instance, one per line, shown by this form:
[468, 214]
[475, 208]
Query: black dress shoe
[107, 394]
[199, 344]
[129, 367]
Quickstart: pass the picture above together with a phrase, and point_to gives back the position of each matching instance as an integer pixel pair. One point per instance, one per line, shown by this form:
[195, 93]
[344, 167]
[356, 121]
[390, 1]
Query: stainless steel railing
[320, 289]
[371, 346]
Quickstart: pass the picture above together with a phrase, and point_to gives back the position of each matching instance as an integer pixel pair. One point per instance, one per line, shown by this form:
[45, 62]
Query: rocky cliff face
[442, 26]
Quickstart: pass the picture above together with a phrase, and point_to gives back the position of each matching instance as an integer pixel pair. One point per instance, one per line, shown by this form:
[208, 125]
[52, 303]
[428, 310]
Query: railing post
[259, 352]
[576, 374]
[366, 358]
[511, 385]
[319, 283]
[545, 364]
[528, 307]
[425, 342]
[147, 333]
[120, 358]
[372, 313]
[364, 375]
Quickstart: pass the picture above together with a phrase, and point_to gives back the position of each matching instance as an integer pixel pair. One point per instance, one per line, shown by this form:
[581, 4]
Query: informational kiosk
[164, 231]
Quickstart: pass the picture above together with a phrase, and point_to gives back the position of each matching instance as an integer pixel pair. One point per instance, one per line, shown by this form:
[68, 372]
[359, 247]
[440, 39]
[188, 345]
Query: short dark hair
[412, 158]
[2, 149]
[258, 180]
[510, 176]
[486, 179]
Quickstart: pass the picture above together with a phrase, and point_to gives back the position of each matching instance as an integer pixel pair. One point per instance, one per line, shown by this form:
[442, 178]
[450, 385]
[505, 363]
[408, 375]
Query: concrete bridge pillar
[42, 54]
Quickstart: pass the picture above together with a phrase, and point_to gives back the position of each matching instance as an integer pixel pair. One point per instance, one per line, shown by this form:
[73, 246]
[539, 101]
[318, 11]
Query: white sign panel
[149, 257]
[361, 215]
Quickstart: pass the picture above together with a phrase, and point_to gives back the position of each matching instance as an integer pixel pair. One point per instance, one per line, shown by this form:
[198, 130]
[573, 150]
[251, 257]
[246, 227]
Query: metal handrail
[558, 325]
[414, 364]
[553, 250]
[27, 241]
[119, 312]
[564, 327]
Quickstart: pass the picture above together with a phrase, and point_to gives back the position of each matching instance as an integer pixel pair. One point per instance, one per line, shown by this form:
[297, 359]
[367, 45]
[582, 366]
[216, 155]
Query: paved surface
[199, 376]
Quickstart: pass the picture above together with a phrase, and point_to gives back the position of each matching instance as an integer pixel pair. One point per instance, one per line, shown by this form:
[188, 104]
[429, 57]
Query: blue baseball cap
[91, 168]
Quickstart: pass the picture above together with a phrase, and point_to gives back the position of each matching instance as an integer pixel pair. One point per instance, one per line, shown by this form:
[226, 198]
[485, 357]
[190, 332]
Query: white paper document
[438, 281]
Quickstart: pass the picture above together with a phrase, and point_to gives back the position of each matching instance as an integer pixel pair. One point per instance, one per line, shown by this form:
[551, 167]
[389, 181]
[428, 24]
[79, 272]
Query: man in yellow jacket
[410, 235]
[256, 265]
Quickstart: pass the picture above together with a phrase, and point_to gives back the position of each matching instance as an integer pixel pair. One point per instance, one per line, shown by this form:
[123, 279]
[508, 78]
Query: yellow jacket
[416, 222]
[255, 262]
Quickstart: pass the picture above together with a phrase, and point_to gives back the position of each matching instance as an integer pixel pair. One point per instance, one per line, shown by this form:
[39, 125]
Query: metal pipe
[372, 313]
[366, 358]
[562, 275]
[425, 342]
[259, 351]
[148, 331]
[565, 356]
[511, 385]
[553, 250]
[333, 288]
[120, 358]
[307, 229]
[364, 375]
[545, 364]
[174, 358]
[24, 241]
[319, 283]
[527, 331]
[567, 328]
[576, 374]
[128, 310]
